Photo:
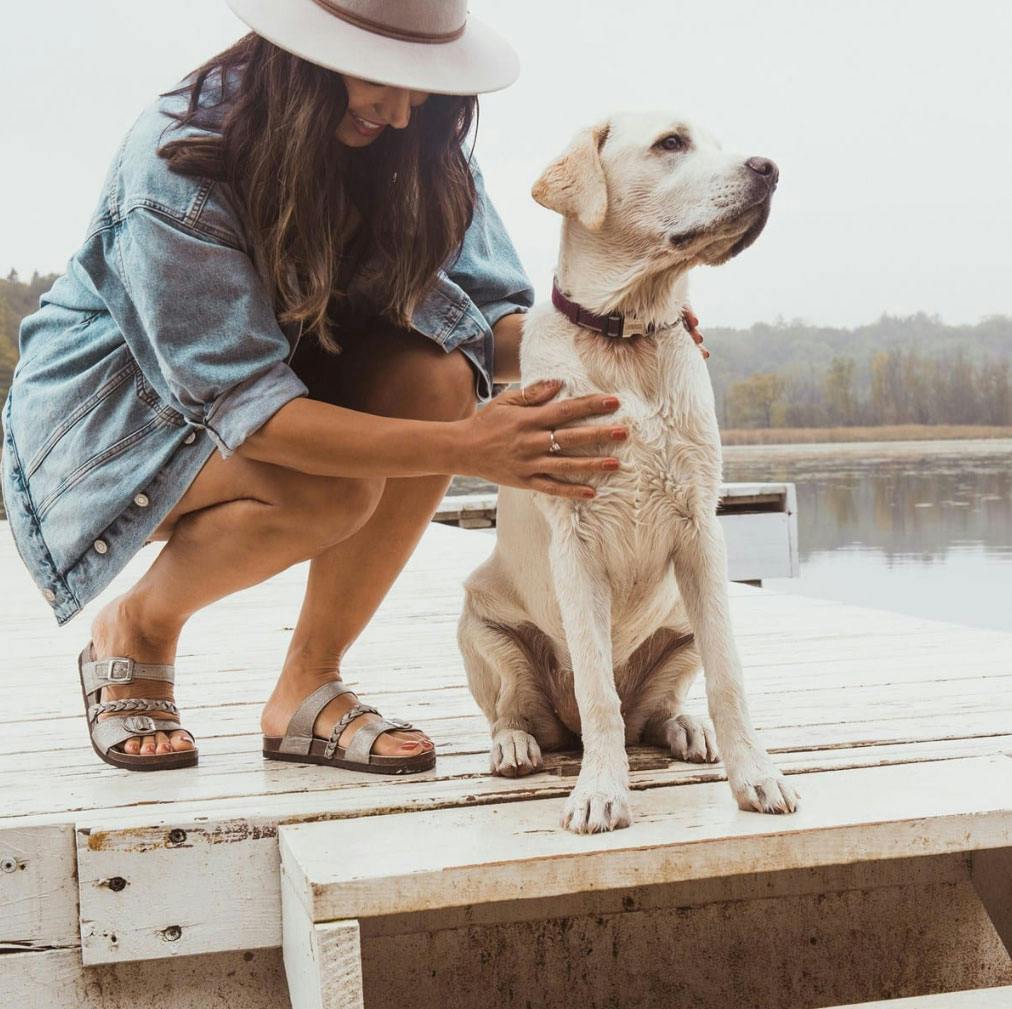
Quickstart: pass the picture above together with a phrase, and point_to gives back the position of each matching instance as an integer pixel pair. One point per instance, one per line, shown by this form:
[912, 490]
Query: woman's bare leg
[240, 522]
[396, 375]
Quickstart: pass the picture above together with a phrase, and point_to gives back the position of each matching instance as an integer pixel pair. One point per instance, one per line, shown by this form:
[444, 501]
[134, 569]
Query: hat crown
[408, 20]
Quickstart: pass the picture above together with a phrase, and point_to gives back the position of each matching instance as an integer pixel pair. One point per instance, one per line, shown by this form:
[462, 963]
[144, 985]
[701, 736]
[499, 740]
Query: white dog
[591, 616]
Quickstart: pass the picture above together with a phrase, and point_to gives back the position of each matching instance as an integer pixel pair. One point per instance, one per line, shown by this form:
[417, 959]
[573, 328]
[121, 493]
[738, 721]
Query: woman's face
[374, 107]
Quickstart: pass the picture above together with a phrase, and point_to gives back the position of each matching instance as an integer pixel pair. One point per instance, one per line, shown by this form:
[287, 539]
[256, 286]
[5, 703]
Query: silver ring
[554, 447]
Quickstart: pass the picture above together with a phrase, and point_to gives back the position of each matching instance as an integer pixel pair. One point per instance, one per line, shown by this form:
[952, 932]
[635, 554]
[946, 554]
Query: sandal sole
[128, 761]
[379, 764]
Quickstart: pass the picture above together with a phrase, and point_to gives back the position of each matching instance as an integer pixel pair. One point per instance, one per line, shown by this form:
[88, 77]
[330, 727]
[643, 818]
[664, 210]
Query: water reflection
[916, 529]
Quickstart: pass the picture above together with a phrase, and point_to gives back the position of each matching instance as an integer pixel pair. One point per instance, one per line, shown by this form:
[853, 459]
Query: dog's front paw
[515, 753]
[762, 788]
[595, 807]
[692, 739]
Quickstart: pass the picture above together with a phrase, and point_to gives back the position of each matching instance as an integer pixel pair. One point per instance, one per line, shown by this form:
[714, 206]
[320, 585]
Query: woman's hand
[508, 441]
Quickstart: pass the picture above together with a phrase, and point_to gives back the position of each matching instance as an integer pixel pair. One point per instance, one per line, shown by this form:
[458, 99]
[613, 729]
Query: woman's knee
[429, 385]
[326, 510]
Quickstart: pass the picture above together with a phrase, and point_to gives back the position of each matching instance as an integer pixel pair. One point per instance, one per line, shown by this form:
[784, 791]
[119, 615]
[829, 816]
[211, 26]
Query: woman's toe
[162, 744]
[132, 746]
[148, 745]
[181, 740]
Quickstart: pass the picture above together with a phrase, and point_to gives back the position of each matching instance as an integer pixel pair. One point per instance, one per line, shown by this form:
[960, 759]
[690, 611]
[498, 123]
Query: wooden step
[339, 872]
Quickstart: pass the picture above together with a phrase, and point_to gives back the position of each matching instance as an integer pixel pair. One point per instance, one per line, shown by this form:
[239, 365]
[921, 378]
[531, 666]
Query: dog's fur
[591, 617]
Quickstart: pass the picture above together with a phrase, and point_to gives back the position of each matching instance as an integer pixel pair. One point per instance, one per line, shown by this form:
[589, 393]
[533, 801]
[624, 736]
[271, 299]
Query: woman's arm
[505, 443]
[508, 332]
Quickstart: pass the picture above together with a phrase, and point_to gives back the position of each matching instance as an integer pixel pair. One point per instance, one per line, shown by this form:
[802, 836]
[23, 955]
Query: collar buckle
[613, 325]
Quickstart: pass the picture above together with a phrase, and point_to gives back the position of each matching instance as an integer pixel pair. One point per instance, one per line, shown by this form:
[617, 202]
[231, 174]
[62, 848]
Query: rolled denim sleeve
[196, 310]
[487, 267]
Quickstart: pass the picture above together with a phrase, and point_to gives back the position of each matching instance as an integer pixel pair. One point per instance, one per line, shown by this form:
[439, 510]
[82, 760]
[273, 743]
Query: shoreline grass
[886, 432]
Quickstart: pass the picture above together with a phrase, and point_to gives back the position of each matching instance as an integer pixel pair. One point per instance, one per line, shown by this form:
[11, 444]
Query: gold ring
[523, 395]
[554, 447]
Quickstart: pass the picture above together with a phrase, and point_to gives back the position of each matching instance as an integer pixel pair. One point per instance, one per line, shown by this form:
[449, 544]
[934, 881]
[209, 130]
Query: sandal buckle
[139, 723]
[116, 670]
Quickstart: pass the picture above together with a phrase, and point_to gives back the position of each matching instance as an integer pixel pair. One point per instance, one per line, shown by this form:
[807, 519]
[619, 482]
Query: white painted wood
[323, 963]
[38, 892]
[56, 979]
[758, 546]
[981, 998]
[362, 868]
[177, 890]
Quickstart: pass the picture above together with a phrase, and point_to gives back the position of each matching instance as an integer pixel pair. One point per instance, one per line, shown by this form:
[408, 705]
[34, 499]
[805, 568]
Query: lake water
[915, 527]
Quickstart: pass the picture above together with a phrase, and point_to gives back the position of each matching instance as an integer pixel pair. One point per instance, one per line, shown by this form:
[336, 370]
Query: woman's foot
[116, 631]
[295, 685]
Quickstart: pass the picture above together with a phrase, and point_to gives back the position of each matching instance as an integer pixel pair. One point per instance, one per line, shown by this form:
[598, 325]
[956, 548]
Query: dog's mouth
[727, 237]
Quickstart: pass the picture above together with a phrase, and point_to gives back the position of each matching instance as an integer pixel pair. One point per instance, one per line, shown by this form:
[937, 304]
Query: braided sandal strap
[130, 704]
[343, 722]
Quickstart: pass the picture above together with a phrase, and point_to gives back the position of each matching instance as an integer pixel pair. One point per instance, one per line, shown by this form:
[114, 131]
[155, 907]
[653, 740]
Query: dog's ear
[574, 184]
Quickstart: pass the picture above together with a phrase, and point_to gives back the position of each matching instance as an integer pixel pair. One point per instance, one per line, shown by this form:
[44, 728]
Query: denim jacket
[158, 345]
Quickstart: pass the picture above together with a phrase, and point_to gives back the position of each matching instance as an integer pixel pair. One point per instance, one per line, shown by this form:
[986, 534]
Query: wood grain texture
[362, 868]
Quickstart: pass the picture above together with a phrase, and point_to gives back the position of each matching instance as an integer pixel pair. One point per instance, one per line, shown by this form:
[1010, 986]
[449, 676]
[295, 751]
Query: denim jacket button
[141, 500]
[101, 546]
[50, 595]
[190, 438]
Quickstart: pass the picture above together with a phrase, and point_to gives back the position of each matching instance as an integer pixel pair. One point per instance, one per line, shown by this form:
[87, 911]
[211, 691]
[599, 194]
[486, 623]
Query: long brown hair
[411, 190]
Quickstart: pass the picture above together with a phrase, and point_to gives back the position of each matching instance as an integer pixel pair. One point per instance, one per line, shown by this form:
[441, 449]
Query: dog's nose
[763, 166]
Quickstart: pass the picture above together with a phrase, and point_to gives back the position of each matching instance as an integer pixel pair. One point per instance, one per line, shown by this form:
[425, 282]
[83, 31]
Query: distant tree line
[17, 299]
[909, 370]
[912, 370]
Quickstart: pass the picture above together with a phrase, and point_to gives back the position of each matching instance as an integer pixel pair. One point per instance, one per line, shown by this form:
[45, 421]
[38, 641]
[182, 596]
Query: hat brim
[480, 60]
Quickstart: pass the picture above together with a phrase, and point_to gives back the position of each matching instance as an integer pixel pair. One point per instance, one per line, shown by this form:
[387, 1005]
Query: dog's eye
[672, 142]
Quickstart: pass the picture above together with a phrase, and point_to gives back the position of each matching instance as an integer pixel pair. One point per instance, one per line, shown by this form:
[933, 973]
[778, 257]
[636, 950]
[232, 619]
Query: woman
[293, 261]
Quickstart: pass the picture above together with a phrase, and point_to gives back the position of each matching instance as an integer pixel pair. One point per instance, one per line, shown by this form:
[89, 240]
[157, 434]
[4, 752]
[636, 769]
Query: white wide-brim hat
[424, 45]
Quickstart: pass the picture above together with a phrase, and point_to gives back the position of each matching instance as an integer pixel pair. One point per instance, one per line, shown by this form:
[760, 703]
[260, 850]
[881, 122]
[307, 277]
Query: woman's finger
[573, 464]
[531, 395]
[588, 437]
[565, 412]
[559, 488]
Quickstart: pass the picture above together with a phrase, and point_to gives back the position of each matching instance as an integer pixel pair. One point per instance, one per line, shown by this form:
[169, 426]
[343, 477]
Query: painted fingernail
[610, 403]
[589, 493]
[611, 464]
[620, 434]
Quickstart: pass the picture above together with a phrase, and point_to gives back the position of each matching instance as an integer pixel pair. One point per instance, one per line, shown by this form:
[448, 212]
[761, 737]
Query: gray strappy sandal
[300, 746]
[109, 733]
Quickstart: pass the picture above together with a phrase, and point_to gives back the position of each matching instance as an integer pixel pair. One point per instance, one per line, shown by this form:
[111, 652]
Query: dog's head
[661, 188]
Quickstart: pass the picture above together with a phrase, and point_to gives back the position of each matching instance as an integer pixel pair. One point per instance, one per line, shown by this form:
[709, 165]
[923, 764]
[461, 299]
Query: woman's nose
[397, 107]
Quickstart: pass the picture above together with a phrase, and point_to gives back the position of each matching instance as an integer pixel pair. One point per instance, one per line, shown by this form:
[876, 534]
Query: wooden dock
[117, 886]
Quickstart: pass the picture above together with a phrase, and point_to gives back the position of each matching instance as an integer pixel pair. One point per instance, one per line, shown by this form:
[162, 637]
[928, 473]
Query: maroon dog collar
[616, 324]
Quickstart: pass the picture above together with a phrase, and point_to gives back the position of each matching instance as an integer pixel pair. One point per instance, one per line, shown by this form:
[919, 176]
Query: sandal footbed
[378, 763]
[130, 761]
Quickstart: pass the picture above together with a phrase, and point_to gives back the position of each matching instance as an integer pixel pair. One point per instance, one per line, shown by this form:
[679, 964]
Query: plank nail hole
[8, 864]
[177, 836]
[172, 933]
[117, 883]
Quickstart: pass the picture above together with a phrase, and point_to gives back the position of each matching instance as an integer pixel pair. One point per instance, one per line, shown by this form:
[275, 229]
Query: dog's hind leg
[505, 683]
[661, 709]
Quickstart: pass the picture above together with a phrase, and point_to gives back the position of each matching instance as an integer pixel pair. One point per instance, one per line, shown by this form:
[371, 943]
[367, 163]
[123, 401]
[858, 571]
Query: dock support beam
[323, 962]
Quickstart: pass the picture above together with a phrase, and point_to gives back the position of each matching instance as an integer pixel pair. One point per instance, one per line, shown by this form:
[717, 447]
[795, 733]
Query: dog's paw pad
[692, 739]
[590, 811]
[515, 754]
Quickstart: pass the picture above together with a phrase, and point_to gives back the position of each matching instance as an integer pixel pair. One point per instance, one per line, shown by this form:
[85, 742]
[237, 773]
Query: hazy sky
[890, 120]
